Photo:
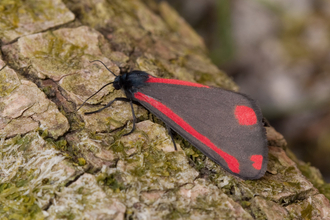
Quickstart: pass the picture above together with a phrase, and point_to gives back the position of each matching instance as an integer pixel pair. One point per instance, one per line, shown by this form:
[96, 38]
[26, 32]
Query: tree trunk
[57, 163]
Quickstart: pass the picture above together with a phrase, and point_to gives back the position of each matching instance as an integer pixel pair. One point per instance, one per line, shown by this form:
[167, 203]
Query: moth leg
[170, 132]
[265, 122]
[110, 103]
[134, 118]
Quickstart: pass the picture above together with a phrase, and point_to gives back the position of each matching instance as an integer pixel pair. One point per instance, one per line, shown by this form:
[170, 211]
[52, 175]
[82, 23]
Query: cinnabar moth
[226, 126]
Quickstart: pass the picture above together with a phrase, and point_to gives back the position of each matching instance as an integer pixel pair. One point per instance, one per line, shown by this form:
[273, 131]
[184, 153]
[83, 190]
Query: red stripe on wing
[174, 81]
[231, 161]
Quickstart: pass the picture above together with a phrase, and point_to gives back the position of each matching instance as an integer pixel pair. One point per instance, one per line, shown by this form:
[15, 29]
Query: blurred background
[278, 52]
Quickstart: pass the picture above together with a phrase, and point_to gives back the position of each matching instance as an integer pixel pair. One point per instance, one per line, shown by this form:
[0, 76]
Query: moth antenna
[103, 65]
[94, 94]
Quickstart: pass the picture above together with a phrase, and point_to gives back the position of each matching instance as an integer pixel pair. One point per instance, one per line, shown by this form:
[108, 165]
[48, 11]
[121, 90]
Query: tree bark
[57, 163]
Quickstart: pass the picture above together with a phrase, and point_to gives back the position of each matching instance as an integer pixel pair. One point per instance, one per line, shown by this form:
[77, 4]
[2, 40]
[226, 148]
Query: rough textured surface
[19, 18]
[32, 171]
[64, 165]
[25, 108]
[85, 199]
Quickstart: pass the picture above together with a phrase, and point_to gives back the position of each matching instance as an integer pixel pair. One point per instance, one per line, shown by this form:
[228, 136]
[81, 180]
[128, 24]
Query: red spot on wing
[174, 81]
[257, 159]
[245, 115]
[230, 160]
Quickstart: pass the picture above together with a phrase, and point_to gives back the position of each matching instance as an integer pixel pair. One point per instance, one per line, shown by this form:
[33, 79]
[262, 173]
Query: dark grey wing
[224, 125]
